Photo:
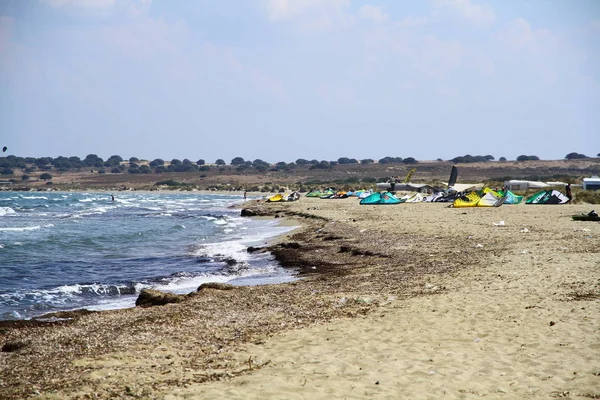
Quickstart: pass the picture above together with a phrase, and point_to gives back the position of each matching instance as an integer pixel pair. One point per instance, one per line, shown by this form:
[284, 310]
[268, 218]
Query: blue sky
[286, 79]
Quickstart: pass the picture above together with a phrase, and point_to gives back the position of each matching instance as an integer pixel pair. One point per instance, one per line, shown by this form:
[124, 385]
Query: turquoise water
[70, 250]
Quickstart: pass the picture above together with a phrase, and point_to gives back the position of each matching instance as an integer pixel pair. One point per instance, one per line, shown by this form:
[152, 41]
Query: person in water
[245, 195]
[112, 197]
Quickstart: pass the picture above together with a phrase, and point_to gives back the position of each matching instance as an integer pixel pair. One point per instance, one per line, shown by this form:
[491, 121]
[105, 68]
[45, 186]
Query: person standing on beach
[245, 195]
[569, 193]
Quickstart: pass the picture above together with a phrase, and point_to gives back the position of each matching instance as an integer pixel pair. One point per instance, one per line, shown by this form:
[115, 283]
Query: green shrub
[587, 196]
[170, 182]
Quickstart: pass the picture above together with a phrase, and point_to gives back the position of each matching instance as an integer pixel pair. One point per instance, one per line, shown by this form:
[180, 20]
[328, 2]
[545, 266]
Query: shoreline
[367, 269]
[63, 316]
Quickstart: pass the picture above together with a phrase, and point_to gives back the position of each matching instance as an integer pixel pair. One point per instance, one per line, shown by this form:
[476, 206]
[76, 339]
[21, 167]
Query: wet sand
[411, 301]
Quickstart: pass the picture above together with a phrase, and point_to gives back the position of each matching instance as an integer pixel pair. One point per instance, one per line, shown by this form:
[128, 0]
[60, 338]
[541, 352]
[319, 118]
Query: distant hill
[139, 175]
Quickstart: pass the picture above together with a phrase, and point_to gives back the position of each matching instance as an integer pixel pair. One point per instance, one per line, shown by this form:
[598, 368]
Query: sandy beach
[410, 301]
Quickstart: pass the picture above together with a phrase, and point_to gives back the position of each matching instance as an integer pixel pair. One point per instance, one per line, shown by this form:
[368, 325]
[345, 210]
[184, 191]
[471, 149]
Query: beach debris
[13, 345]
[470, 237]
[552, 323]
[479, 245]
[216, 286]
[477, 340]
[430, 287]
[524, 251]
[499, 223]
[582, 230]
[363, 300]
[152, 297]
[524, 230]
[290, 245]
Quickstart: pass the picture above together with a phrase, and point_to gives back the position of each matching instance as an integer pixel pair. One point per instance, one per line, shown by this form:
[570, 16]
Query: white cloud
[477, 14]
[311, 15]
[410, 22]
[519, 35]
[81, 3]
[372, 13]
[539, 51]
[287, 9]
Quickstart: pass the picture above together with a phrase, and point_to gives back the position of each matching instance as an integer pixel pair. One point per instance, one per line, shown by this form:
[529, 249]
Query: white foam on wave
[228, 249]
[34, 197]
[236, 247]
[189, 284]
[113, 304]
[6, 211]
[96, 211]
[22, 229]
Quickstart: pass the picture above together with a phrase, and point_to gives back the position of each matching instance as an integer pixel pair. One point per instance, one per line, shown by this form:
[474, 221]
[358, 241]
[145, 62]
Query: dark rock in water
[152, 297]
[13, 345]
[216, 286]
[246, 212]
[230, 261]
[253, 249]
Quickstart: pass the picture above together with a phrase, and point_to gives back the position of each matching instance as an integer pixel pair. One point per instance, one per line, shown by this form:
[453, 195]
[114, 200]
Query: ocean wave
[34, 197]
[206, 242]
[61, 294]
[22, 229]
[6, 211]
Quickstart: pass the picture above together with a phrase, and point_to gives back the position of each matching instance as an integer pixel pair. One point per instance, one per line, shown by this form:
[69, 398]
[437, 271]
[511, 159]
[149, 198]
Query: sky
[279, 80]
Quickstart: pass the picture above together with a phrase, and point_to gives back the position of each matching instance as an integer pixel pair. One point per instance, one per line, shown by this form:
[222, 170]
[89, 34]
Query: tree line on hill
[116, 164]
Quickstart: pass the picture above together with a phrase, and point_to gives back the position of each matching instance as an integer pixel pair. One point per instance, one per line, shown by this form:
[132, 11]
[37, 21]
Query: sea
[63, 251]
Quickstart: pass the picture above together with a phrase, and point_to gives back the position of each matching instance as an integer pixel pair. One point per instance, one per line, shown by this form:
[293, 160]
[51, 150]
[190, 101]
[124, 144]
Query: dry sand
[411, 301]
